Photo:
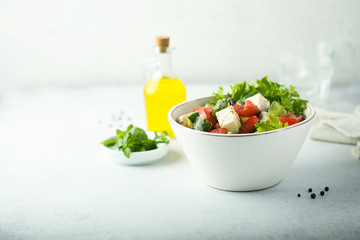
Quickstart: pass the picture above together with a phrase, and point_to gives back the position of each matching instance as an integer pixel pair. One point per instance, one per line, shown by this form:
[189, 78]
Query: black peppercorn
[322, 193]
[326, 188]
[310, 190]
[299, 195]
[313, 195]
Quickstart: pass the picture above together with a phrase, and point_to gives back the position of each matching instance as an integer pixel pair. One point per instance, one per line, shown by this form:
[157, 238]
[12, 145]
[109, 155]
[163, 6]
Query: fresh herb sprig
[135, 139]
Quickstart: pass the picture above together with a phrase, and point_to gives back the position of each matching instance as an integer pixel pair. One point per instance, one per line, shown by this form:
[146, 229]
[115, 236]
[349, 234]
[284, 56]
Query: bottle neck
[164, 63]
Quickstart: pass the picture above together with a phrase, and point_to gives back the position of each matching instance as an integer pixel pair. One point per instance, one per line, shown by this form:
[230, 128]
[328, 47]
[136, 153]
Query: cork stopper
[162, 42]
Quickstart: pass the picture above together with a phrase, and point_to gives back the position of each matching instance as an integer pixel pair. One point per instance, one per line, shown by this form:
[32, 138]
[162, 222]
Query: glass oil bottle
[163, 89]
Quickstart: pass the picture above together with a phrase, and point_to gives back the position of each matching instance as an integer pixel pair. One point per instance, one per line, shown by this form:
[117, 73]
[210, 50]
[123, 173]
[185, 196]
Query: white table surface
[55, 183]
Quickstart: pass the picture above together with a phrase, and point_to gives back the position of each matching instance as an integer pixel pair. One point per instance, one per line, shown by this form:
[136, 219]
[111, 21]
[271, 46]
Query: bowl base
[244, 189]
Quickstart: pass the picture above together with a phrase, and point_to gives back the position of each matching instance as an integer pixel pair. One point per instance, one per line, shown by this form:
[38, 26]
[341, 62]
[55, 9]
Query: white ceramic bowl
[239, 162]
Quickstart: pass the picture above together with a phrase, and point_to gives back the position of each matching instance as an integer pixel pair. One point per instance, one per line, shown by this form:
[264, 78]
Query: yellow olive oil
[160, 96]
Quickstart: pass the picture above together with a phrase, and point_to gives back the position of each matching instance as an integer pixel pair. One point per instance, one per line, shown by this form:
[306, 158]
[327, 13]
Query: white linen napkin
[337, 127]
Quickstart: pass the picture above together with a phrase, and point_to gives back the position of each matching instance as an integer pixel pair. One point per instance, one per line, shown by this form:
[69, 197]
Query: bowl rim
[172, 121]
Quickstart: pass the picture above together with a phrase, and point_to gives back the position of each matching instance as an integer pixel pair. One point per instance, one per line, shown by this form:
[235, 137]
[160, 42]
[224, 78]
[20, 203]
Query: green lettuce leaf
[270, 125]
[288, 97]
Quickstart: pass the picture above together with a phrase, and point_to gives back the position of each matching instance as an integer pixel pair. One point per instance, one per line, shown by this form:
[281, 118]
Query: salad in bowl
[257, 107]
[244, 140]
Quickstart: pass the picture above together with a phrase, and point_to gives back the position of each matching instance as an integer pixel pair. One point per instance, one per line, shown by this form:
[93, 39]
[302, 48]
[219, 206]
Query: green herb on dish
[135, 139]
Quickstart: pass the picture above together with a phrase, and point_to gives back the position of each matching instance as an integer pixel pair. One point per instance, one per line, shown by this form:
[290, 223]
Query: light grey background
[82, 42]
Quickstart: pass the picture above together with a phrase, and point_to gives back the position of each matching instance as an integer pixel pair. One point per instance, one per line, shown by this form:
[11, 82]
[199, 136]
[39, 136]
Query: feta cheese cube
[184, 120]
[229, 119]
[263, 117]
[260, 101]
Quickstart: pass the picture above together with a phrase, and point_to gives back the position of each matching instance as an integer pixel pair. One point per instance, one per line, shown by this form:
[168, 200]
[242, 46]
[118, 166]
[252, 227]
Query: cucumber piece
[202, 125]
[220, 105]
[277, 110]
[184, 120]
[243, 119]
[241, 101]
[209, 104]
[192, 116]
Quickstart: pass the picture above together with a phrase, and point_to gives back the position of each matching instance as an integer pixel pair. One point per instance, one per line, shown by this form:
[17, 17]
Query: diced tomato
[290, 114]
[217, 125]
[219, 130]
[205, 114]
[248, 125]
[290, 120]
[238, 108]
[210, 109]
[197, 109]
[246, 110]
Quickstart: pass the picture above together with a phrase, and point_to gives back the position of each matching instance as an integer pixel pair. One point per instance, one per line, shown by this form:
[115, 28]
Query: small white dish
[137, 158]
